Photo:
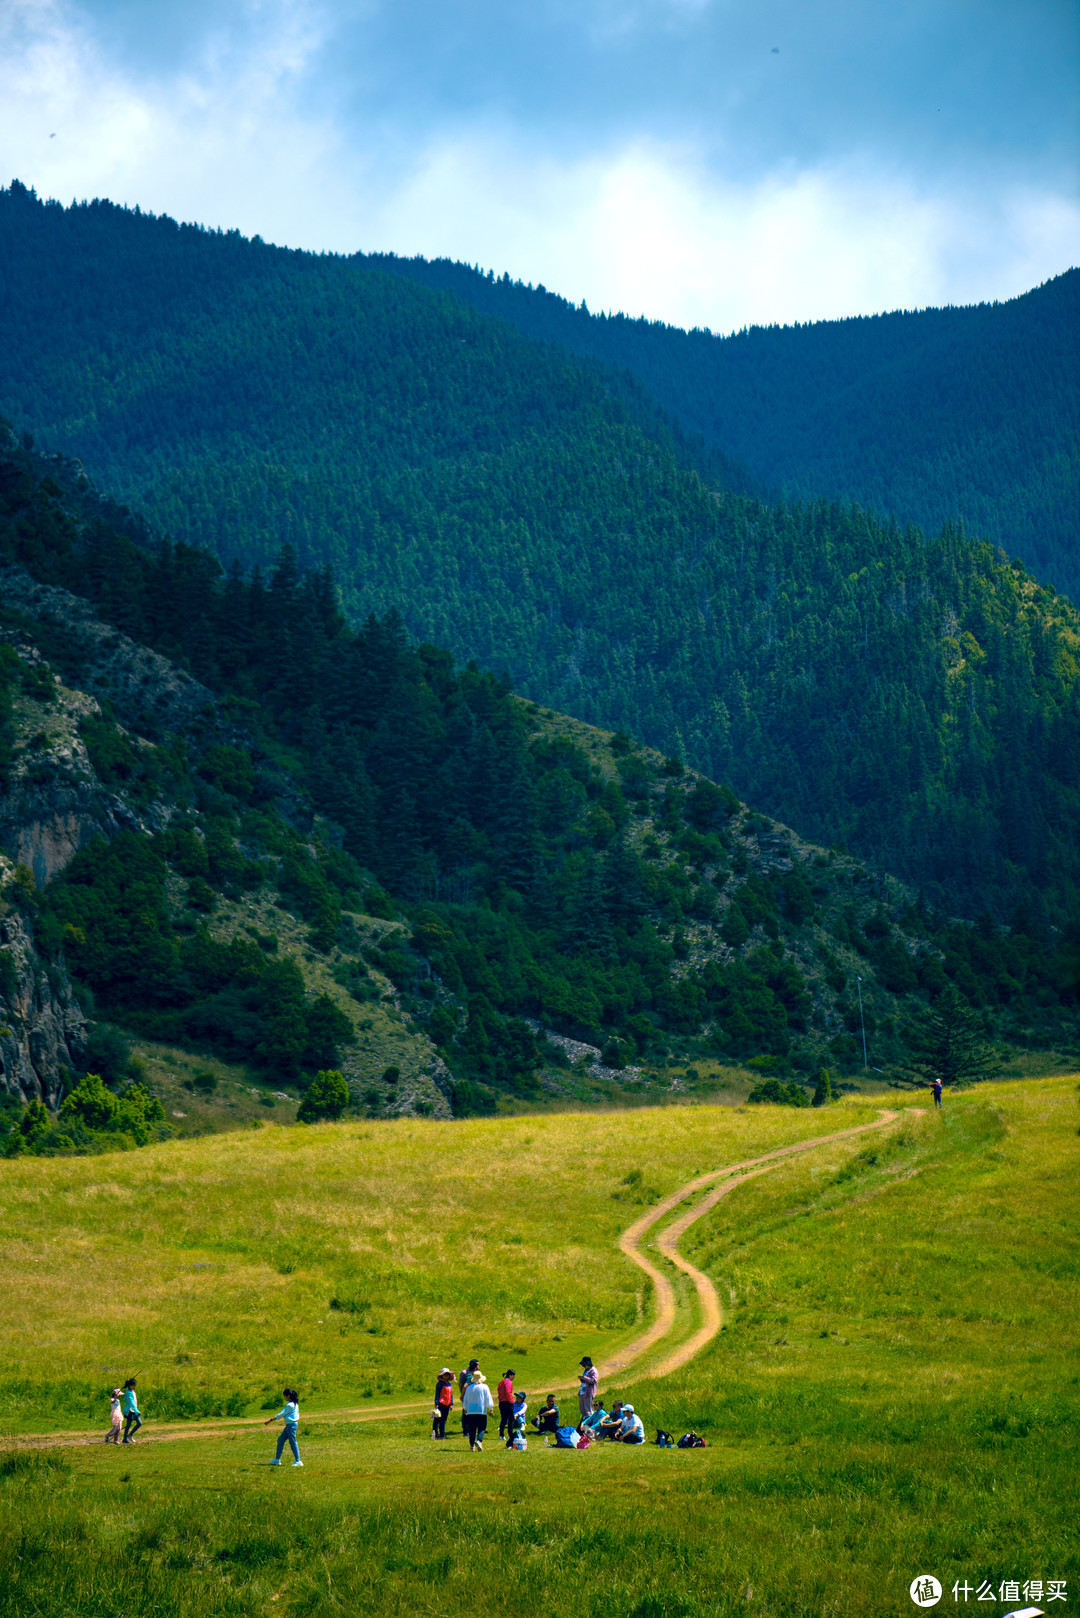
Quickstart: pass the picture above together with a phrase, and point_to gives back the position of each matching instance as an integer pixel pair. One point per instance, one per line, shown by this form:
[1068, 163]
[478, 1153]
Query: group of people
[621, 1424]
[124, 1412]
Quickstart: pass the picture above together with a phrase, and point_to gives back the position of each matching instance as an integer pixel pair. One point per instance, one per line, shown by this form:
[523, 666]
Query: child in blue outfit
[290, 1415]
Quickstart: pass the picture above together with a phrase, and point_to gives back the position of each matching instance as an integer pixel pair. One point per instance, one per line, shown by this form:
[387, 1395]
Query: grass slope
[894, 1390]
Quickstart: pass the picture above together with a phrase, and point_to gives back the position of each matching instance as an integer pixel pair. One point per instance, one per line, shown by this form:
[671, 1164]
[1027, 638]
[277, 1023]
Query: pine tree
[947, 1043]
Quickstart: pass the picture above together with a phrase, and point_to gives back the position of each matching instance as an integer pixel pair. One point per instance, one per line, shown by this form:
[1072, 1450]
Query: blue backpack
[565, 1438]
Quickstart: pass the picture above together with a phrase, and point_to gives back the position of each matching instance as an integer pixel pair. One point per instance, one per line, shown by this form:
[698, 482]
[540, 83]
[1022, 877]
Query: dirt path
[712, 1314]
[734, 1174]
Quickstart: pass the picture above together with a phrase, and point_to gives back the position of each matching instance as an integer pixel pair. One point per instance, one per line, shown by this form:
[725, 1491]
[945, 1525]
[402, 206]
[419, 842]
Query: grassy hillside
[519, 506]
[303, 848]
[963, 413]
[892, 1393]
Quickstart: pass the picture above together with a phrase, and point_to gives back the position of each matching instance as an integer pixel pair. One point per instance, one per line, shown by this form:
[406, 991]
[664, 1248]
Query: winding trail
[732, 1175]
[664, 1292]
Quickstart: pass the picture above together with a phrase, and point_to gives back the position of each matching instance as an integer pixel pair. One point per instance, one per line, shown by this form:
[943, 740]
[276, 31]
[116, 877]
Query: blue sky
[702, 161]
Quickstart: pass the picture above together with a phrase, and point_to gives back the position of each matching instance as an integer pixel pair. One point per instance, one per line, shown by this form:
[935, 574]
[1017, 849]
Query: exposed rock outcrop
[42, 1030]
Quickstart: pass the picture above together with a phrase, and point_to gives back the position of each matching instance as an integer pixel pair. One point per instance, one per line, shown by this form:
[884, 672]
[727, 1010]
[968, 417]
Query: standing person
[476, 1405]
[590, 1381]
[463, 1380]
[505, 1395]
[129, 1404]
[937, 1094]
[290, 1415]
[444, 1402]
[113, 1434]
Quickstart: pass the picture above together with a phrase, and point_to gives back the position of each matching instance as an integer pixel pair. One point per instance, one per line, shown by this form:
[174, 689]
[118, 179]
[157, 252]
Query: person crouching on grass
[290, 1415]
[476, 1404]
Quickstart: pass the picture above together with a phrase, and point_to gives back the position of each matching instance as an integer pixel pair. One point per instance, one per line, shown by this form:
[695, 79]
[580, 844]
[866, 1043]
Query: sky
[712, 163]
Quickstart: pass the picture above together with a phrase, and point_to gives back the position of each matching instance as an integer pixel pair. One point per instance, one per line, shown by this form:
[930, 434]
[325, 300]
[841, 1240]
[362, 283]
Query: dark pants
[132, 1423]
[475, 1427]
[506, 1417]
[438, 1425]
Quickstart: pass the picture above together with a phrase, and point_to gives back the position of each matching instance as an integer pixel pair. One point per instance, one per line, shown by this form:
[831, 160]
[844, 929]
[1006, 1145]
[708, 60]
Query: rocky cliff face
[42, 1030]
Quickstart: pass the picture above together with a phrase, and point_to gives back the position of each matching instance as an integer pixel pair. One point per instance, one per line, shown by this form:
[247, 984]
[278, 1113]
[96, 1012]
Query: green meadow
[894, 1390]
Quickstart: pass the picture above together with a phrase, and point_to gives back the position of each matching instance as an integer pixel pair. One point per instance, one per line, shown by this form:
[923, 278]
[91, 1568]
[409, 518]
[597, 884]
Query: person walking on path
[129, 1404]
[444, 1402]
[113, 1434]
[937, 1094]
[505, 1395]
[290, 1415]
[590, 1381]
[476, 1405]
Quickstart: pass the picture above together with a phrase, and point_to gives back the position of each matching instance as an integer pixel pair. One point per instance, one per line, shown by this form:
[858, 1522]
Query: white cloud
[644, 227]
[651, 231]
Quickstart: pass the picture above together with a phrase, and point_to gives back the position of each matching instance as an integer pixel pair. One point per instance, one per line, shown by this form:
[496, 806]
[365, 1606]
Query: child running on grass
[290, 1415]
[113, 1434]
[129, 1404]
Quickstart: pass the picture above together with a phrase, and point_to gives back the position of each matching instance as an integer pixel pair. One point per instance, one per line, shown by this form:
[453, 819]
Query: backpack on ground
[690, 1441]
[566, 1438]
[664, 1440]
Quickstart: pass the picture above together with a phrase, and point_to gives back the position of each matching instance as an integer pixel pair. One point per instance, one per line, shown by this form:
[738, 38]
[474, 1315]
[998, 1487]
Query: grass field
[894, 1391]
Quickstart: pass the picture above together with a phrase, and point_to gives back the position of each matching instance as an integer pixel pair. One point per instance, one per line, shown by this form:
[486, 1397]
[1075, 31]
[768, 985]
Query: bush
[326, 1096]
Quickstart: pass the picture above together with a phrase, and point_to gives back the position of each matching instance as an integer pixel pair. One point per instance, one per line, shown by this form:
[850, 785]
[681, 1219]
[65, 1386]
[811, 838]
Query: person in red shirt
[505, 1394]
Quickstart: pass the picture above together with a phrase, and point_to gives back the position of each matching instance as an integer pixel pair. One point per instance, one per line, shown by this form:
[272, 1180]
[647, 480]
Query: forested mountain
[969, 414]
[916, 701]
[189, 758]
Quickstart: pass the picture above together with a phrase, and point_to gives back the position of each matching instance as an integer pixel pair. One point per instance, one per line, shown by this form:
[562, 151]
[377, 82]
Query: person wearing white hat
[631, 1431]
[443, 1402]
[476, 1405]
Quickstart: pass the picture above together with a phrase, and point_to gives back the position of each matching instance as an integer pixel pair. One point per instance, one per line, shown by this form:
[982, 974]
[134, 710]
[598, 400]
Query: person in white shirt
[476, 1404]
[631, 1431]
[290, 1415]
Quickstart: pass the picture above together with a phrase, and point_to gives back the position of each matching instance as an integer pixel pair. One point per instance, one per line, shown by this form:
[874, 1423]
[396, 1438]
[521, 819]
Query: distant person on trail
[129, 1404]
[476, 1405]
[505, 1395]
[937, 1093]
[443, 1402]
[631, 1431]
[590, 1381]
[113, 1434]
[547, 1419]
[290, 1415]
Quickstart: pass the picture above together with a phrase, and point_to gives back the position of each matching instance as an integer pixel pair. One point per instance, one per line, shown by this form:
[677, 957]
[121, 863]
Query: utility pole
[862, 1024]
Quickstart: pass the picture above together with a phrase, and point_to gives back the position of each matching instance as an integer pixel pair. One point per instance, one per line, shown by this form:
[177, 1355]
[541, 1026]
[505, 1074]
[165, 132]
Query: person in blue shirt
[290, 1415]
[129, 1404]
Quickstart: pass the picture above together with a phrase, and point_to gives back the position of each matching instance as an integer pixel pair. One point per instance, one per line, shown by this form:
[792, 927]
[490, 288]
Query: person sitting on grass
[611, 1426]
[290, 1415]
[548, 1418]
[593, 1422]
[631, 1431]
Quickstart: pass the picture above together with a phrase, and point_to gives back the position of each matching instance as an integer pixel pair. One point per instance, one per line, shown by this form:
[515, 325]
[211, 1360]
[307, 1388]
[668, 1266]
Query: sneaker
[275, 1463]
[479, 1445]
[298, 1463]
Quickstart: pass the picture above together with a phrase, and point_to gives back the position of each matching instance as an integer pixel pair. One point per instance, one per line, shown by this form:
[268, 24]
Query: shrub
[326, 1096]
